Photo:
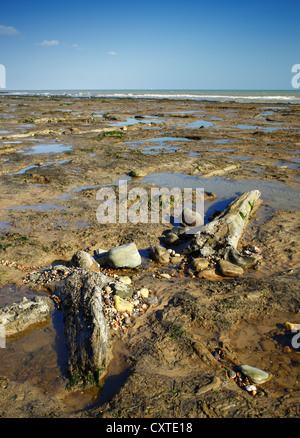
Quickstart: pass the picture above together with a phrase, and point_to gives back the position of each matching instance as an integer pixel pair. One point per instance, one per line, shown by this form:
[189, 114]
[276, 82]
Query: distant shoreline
[255, 96]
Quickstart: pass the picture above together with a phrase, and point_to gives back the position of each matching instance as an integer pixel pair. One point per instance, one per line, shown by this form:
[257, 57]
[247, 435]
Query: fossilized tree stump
[85, 327]
[221, 236]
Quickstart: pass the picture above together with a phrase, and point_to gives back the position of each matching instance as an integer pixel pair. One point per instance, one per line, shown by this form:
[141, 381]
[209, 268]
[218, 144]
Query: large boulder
[124, 256]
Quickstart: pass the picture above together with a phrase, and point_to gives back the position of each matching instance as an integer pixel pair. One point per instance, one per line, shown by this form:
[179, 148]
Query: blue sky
[162, 44]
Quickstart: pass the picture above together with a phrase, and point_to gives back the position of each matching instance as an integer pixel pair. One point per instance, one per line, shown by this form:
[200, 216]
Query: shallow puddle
[54, 148]
[136, 120]
[200, 124]
[267, 345]
[38, 207]
[278, 195]
[39, 356]
[33, 166]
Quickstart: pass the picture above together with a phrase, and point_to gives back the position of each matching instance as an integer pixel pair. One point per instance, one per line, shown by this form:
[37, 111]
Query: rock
[85, 328]
[17, 317]
[191, 218]
[159, 254]
[99, 251]
[123, 305]
[122, 290]
[209, 274]
[84, 260]
[245, 261]
[168, 276]
[198, 264]
[251, 388]
[255, 375]
[137, 173]
[144, 292]
[171, 238]
[228, 269]
[125, 280]
[176, 259]
[231, 374]
[125, 256]
[152, 301]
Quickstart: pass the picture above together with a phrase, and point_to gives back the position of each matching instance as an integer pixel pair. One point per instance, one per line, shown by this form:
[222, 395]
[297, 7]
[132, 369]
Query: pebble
[170, 238]
[198, 264]
[123, 305]
[251, 388]
[125, 280]
[144, 292]
[165, 275]
[232, 374]
[176, 259]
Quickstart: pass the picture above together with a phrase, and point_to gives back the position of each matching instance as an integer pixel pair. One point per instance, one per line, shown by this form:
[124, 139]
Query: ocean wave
[139, 94]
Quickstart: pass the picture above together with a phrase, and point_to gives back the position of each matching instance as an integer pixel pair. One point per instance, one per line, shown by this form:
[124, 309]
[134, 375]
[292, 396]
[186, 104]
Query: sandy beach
[172, 361]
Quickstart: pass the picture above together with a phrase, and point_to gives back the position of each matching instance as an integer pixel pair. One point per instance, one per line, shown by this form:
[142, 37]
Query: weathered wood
[85, 327]
[221, 236]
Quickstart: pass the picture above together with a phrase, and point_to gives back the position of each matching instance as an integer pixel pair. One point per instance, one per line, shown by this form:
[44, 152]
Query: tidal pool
[52, 148]
[274, 193]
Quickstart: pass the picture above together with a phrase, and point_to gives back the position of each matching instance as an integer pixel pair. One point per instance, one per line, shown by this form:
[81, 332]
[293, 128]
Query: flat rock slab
[18, 317]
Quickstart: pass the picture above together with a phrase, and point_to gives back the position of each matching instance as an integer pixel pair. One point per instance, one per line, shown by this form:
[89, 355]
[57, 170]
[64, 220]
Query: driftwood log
[221, 236]
[85, 328]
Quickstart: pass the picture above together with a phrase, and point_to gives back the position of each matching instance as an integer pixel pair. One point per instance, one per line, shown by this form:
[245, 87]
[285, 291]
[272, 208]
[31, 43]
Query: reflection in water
[276, 193]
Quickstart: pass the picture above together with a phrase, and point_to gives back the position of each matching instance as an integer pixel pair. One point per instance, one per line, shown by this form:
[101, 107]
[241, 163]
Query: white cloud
[8, 30]
[112, 53]
[77, 47]
[49, 43]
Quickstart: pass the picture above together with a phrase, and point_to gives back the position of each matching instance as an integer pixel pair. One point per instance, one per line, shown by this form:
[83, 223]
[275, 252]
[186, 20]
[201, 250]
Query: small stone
[125, 280]
[170, 238]
[250, 388]
[159, 254]
[209, 274]
[176, 259]
[122, 290]
[255, 375]
[231, 374]
[198, 264]
[137, 173]
[84, 260]
[144, 292]
[191, 218]
[122, 305]
[287, 349]
[228, 269]
[152, 301]
[165, 276]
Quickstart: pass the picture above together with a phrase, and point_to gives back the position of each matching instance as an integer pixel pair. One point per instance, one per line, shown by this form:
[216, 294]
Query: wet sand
[56, 152]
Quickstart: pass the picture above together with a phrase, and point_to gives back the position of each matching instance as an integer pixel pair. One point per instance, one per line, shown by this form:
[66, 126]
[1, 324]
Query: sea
[264, 96]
